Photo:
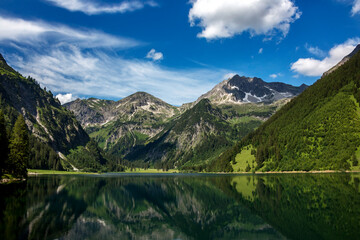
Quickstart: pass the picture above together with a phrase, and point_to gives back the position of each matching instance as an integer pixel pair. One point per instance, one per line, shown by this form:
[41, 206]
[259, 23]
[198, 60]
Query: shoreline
[34, 172]
[8, 180]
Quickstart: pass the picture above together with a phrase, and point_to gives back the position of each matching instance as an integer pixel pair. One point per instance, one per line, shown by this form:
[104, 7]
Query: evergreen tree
[4, 143]
[354, 160]
[19, 149]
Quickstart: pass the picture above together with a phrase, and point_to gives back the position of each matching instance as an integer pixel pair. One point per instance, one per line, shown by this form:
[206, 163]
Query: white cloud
[33, 32]
[315, 51]
[93, 8]
[226, 18]
[155, 56]
[356, 7]
[68, 69]
[314, 67]
[261, 50]
[276, 75]
[65, 98]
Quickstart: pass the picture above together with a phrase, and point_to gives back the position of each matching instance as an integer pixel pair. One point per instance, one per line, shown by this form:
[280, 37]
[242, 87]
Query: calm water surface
[294, 206]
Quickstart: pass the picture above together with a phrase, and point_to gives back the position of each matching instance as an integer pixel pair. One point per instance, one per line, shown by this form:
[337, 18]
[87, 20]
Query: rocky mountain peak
[141, 99]
[241, 89]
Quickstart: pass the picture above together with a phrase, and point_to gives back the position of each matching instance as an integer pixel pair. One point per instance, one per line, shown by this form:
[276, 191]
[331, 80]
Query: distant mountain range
[319, 129]
[146, 130]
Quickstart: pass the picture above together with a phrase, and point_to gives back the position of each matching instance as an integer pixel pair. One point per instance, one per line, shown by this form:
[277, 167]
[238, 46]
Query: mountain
[318, 130]
[238, 90]
[194, 139]
[44, 115]
[150, 132]
[54, 131]
[118, 126]
[91, 111]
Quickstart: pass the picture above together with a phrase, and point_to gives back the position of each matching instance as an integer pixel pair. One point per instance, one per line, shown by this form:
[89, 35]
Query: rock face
[97, 112]
[91, 111]
[44, 115]
[118, 126]
[239, 90]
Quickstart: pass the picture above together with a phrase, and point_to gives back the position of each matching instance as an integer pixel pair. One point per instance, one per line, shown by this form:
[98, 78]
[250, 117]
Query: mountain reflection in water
[294, 206]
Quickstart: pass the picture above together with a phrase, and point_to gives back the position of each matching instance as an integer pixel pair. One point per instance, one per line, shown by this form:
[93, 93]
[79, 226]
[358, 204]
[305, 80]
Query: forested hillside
[194, 139]
[318, 130]
[52, 131]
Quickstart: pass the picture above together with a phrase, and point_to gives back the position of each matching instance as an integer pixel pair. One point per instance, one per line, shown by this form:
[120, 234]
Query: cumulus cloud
[275, 75]
[315, 67]
[356, 7]
[93, 8]
[33, 32]
[68, 69]
[155, 56]
[65, 98]
[226, 18]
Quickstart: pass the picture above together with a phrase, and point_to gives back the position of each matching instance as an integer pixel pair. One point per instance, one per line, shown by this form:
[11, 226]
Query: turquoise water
[119, 206]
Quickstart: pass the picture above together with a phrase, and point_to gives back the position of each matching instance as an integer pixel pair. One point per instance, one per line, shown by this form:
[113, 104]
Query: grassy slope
[53, 172]
[243, 159]
[128, 170]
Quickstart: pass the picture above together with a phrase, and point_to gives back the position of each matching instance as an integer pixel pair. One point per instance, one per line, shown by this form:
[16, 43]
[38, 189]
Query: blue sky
[173, 49]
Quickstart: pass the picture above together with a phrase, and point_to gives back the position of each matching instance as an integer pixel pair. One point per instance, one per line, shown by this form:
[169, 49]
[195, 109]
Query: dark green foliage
[42, 156]
[317, 130]
[355, 160]
[12, 209]
[51, 122]
[4, 143]
[89, 158]
[52, 127]
[319, 206]
[220, 166]
[19, 149]
[193, 140]
[248, 168]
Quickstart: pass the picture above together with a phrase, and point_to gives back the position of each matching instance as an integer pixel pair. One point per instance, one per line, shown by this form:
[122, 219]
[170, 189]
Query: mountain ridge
[143, 127]
[56, 139]
[318, 130]
[241, 90]
[343, 61]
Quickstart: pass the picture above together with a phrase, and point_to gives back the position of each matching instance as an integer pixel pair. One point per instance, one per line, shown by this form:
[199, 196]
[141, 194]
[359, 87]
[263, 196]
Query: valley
[233, 127]
[148, 132]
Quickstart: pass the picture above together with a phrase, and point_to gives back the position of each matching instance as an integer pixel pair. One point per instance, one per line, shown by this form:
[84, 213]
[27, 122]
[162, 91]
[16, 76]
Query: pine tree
[19, 149]
[4, 143]
[354, 160]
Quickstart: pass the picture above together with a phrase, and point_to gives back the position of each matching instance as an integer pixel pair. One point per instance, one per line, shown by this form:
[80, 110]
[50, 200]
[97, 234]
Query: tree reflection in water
[181, 207]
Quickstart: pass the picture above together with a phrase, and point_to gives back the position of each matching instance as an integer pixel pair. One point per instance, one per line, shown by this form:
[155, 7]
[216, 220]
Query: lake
[182, 206]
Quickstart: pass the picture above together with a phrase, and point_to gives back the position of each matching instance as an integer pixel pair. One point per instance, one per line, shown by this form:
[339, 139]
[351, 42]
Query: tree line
[14, 148]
